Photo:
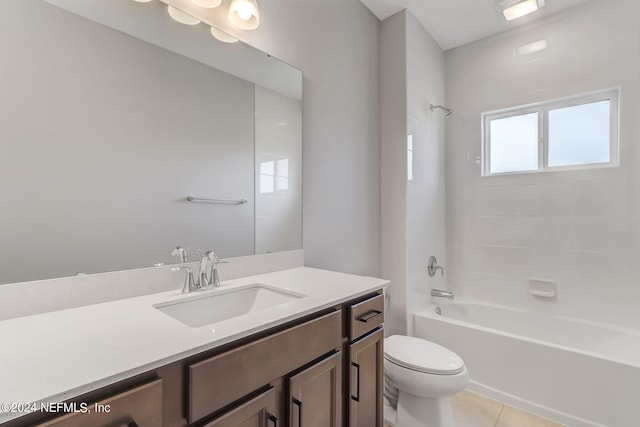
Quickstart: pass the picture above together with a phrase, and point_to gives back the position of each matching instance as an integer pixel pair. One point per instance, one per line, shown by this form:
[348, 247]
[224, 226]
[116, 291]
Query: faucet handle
[189, 282]
[215, 259]
[433, 267]
[182, 253]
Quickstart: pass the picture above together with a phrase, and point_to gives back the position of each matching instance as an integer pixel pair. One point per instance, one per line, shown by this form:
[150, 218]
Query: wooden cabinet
[257, 412]
[366, 316]
[138, 407]
[220, 380]
[315, 394]
[322, 370]
[366, 381]
[364, 364]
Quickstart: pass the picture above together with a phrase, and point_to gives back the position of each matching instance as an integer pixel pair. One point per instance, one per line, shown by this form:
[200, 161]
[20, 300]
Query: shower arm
[449, 111]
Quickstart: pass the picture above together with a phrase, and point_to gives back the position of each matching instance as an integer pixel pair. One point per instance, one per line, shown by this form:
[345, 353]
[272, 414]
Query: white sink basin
[220, 305]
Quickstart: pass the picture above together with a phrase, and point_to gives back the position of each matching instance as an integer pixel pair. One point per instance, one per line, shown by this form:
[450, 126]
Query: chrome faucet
[181, 253]
[207, 274]
[202, 272]
[441, 294]
[433, 267]
[214, 261]
[190, 284]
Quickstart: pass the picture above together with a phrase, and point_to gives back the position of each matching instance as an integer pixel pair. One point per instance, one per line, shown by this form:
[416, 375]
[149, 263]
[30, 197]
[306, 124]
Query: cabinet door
[138, 407]
[257, 412]
[366, 381]
[315, 398]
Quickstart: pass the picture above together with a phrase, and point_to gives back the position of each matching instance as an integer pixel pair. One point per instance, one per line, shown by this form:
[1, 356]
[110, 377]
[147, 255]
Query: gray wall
[335, 44]
[413, 217]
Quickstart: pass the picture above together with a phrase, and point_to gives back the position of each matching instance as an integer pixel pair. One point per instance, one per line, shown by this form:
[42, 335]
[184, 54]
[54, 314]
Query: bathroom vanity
[314, 360]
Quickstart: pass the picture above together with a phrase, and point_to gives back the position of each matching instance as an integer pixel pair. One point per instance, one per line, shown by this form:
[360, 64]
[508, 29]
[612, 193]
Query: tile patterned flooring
[473, 410]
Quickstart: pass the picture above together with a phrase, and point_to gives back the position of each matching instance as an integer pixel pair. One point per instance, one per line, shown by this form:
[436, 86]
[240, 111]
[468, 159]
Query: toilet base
[415, 411]
[390, 415]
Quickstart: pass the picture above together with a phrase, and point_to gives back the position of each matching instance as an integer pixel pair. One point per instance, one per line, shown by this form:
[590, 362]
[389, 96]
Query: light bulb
[182, 17]
[244, 14]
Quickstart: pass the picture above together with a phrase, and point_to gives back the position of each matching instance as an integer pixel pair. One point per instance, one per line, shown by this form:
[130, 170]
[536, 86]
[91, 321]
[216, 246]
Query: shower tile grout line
[495, 424]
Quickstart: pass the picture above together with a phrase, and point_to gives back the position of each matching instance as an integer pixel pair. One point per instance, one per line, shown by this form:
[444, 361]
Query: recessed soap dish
[542, 288]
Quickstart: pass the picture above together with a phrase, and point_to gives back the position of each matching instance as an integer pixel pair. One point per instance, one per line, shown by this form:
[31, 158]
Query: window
[410, 158]
[274, 176]
[571, 133]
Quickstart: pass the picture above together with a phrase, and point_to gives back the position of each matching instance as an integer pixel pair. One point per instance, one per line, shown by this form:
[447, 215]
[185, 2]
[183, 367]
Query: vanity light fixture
[244, 14]
[513, 9]
[208, 4]
[222, 36]
[182, 17]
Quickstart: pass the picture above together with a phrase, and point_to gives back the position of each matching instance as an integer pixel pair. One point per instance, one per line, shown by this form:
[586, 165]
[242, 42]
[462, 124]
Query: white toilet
[425, 376]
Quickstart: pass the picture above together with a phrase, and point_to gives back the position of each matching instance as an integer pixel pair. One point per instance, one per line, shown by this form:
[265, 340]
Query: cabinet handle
[299, 405]
[373, 314]
[273, 419]
[357, 397]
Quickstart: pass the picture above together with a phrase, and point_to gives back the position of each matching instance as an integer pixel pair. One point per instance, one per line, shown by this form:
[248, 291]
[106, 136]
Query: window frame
[543, 108]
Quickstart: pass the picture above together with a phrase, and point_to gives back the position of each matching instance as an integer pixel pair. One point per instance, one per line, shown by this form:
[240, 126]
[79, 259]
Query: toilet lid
[422, 355]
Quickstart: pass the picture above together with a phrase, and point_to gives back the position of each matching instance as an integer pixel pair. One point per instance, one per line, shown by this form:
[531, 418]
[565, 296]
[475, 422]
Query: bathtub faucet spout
[441, 294]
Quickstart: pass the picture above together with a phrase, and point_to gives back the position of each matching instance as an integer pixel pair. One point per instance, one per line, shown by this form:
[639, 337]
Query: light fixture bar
[182, 17]
[222, 36]
[208, 4]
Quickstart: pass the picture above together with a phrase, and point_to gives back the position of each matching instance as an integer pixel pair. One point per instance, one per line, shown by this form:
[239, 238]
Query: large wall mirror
[112, 114]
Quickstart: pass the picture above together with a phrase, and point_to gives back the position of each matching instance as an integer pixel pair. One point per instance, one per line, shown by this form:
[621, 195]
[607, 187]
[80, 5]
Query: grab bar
[221, 201]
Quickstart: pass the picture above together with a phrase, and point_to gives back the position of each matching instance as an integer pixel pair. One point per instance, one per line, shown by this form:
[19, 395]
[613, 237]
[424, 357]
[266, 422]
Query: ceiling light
[142, 1]
[209, 4]
[222, 36]
[534, 47]
[516, 9]
[244, 14]
[182, 17]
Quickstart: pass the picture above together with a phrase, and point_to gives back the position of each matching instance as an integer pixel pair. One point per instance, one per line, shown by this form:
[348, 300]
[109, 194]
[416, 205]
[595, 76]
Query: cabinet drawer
[366, 316]
[220, 380]
[140, 406]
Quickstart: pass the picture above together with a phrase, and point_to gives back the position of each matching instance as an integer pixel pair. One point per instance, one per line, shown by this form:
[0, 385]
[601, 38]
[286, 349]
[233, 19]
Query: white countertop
[55, 356]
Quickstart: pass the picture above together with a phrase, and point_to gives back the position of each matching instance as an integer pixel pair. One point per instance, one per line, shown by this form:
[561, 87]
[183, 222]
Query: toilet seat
[422, 356]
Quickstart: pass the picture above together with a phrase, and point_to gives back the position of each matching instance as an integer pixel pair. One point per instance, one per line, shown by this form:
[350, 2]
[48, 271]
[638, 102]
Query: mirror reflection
[105, 135]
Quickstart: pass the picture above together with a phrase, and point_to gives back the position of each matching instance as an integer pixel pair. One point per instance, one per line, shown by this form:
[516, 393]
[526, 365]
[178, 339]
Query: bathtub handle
[356, 398]
[373, 314]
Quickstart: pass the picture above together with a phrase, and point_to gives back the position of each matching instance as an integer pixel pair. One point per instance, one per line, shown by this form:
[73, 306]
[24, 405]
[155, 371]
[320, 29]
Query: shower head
[448, 111]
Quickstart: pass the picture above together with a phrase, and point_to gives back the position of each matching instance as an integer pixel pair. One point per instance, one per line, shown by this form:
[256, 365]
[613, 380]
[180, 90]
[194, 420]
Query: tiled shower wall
[580, 229]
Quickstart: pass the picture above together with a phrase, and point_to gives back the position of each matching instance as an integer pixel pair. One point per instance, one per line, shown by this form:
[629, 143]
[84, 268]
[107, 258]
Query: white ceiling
[454, 23]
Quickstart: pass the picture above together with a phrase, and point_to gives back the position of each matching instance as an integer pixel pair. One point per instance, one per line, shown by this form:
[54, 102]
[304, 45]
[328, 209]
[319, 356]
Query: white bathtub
[578, 373]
